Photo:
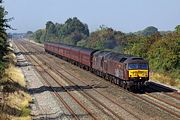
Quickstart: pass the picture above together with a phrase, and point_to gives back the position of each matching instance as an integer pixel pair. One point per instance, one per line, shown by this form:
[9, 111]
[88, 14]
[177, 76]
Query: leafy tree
[38, 35]
[150, 31]
[177, 29]
[29, 34]
[3, 35]
[142, 46]
[102, 39]
[75, 25]
[164, 53]
[147, 31]
[50, 28]
[72, 29]
[3, 26]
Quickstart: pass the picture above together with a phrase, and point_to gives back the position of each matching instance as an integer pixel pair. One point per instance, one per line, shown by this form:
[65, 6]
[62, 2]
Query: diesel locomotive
[127, 71]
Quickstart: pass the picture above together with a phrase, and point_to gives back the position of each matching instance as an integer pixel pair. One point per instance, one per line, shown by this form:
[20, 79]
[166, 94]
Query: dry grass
[164, 79]
[20, 118]
[10, 49]
[10, 117]
[15, 74]
[10, 56]
[18, 100]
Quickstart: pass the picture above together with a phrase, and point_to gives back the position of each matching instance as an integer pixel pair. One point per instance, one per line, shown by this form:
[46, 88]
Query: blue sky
[123, 15]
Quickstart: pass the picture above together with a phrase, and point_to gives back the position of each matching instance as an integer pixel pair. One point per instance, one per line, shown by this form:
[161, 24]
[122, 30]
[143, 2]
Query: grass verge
[165, 79]
[14, 98]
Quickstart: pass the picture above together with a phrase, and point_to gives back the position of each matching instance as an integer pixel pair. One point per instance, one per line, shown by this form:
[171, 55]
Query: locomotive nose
[138, 73]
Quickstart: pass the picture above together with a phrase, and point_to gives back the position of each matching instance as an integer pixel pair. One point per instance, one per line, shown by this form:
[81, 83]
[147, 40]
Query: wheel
[124, 85]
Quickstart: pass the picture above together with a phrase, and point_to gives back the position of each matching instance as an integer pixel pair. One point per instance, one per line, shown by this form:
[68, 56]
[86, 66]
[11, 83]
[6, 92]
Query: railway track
[157, 105]
[86, 94]
[138, 96]
[42, 71]
[55, 68]
[97, 102]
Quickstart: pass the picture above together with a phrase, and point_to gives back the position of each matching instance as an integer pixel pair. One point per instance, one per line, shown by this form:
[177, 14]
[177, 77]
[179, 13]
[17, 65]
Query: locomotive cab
[138, 71]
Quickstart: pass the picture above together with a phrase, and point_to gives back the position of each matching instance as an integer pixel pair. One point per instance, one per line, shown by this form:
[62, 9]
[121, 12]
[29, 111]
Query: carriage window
[137, 66]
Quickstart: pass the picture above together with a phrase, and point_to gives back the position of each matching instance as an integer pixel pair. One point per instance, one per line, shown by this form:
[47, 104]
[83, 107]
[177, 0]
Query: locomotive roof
[101, 53]
[118, 57]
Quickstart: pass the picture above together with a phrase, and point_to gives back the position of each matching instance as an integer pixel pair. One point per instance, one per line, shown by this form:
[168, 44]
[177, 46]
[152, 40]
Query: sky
[123, 15]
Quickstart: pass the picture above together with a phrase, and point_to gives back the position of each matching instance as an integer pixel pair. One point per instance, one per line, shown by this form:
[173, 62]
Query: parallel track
[54, 91]
[140, 97]
[84, 93]
[55, 68]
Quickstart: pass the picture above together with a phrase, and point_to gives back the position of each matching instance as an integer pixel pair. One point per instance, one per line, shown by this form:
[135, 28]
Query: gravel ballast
[44, 105]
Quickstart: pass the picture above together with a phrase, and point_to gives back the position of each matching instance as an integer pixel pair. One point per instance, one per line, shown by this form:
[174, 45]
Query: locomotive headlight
[135, 74]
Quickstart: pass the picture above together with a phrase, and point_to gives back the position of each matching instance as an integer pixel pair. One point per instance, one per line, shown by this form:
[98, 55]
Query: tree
[177, 29]
[164, 53]
[150, 30]
[38, 35]
[50, 28]
[147, 31]
[75, 25]
[3, 36]
[29, 32]
[3, 26]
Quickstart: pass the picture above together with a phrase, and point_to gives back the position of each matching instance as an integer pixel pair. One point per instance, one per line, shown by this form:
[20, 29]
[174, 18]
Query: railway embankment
[14, 98]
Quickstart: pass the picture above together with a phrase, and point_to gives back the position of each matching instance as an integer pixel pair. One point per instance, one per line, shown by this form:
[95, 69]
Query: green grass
[2, 68]
[25, 112]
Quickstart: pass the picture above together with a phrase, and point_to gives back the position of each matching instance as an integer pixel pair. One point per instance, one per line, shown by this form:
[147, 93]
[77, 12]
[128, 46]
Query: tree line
[3, 35]
[161, 48]
[72, 31]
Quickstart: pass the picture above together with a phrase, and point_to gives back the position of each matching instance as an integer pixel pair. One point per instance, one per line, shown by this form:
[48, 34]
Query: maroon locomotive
[121, 69]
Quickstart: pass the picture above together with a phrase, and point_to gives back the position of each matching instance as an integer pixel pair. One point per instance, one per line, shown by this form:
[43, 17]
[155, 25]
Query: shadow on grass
[10, 87]
[6, 109]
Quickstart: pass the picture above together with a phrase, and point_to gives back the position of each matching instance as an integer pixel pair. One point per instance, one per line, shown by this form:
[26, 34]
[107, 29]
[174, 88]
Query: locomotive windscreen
[137, 66]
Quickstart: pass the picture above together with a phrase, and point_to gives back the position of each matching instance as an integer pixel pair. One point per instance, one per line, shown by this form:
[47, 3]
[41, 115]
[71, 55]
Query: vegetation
[161, 48]
[14, 99]
[72, 31]
[2, 38]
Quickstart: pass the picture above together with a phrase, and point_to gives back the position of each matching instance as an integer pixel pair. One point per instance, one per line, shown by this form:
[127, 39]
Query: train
[127, 71]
